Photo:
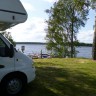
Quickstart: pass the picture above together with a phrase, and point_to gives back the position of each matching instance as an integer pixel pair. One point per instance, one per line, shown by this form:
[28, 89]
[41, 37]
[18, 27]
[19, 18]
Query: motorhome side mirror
[11, 52]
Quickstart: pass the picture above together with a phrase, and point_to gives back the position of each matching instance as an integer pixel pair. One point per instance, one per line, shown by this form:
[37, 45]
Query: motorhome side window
[3, 48]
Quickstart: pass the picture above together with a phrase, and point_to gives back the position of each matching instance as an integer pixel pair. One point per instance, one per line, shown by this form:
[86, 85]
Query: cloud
[86, 37]
[33, 31]
[28, 6]
[51, 1]
[30, 31]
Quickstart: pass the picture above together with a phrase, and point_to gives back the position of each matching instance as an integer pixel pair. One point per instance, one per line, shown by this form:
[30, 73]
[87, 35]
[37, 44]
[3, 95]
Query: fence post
[41, 53]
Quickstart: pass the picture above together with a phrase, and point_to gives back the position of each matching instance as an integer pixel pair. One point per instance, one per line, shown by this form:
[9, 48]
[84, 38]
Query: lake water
[31, 49]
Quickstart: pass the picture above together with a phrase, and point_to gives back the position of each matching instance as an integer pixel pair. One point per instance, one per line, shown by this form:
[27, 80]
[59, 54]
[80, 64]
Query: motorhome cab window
[2, 49]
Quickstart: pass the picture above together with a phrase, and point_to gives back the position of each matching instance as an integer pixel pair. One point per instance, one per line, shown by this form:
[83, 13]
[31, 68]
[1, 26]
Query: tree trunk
[72, 51]
[72, 33]
[94, 42]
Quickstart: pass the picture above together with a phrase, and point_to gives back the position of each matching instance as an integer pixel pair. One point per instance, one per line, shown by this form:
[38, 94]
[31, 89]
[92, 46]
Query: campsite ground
[63, 77]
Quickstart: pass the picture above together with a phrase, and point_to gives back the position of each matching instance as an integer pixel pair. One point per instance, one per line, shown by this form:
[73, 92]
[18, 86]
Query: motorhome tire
[12, 86]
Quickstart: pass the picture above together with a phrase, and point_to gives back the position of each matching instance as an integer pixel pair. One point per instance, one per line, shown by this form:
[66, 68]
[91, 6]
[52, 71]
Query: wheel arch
[18, 74]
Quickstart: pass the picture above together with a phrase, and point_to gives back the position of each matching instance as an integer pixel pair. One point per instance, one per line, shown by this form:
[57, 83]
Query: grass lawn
[63, 77]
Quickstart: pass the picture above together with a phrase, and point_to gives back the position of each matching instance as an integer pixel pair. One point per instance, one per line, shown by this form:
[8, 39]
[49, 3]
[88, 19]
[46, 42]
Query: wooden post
[94, 42]
[41, 53]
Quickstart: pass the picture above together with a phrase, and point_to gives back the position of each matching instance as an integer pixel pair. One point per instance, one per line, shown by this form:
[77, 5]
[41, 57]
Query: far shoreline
[44, 43]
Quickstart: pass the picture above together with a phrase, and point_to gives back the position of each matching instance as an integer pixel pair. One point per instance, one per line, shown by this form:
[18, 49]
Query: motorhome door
[6, 63]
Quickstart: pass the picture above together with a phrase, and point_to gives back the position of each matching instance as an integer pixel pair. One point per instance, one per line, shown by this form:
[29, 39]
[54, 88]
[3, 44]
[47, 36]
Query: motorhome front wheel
[14, 86]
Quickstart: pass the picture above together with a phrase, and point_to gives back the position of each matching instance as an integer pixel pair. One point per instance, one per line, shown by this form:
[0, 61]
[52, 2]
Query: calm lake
[31, 49]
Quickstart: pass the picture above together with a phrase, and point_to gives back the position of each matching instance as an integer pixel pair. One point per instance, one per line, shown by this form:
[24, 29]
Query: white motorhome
[16, 69]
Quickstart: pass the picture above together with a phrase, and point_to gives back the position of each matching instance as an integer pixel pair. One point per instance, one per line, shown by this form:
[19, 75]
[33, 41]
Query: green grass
[63, 77]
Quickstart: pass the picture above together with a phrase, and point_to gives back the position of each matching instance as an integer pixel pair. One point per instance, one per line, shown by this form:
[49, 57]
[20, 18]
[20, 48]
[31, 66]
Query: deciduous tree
[65, 19]
[8, 36]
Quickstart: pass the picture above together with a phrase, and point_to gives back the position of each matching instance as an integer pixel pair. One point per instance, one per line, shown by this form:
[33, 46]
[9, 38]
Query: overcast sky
[33, 29]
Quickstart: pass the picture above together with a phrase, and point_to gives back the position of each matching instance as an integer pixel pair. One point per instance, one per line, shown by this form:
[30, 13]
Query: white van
[16, 69]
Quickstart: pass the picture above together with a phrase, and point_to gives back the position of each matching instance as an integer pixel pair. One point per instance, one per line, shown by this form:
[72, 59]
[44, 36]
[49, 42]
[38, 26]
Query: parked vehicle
[16, 69]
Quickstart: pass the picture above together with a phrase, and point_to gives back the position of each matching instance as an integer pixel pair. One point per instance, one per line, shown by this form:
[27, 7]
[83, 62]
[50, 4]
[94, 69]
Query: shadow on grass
[53, 81]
